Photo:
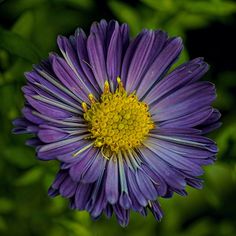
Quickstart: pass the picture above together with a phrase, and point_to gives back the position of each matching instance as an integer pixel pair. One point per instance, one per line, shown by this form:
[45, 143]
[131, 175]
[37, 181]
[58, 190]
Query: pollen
[118, 121]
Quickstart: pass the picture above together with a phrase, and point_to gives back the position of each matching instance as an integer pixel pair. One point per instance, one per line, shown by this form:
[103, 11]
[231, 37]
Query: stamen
[106, 87]
[91, 98]
[82, 149]
[84, 106]
[119, 121]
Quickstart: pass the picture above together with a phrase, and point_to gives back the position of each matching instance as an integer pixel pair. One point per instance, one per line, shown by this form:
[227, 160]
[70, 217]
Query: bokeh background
[28, 31]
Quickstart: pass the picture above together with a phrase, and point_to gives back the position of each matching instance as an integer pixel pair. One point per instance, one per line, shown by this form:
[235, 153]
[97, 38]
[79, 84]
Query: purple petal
[68, 187]
[158, 181]
[27, 112]
[161, 64]
[122, 215]
[81, 47]
[182, 75]
[111, 188]
[184, 101]
[129, 55]
[146, 186]
[94, 170]
[96, 55]
[114, 54]
[175, 160]
[147, 50]
[49, 134]
[67, 48]
[61, 147]
[171, 177]
[79, 169]
[68, 77]
[125, 200]
[134, 188]
[189, 120]
[82, 195]
[47, 109]
[156, 210]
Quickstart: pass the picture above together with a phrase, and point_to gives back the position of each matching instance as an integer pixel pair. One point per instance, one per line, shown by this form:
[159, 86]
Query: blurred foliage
[28, 30]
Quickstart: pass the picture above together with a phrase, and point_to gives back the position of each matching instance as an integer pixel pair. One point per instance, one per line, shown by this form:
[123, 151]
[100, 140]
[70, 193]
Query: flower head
[124, 132]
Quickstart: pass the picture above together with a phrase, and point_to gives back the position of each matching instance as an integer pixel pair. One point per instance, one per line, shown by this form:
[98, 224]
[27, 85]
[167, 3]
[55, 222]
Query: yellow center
[118, 121]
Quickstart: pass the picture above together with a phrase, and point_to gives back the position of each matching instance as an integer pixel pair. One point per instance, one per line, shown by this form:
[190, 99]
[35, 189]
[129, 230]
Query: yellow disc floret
[119, 121]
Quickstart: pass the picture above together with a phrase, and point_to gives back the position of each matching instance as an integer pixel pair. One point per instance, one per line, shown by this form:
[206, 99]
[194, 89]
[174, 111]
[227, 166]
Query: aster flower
[125, 132]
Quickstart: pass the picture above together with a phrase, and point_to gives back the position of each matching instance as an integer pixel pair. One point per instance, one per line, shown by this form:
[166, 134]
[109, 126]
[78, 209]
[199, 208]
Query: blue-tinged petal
[68, 77]
[158, 181]
[189, 120]
[97, 59]
[146, 52]
[146, 185]
[24, 126]
[122, 215]
[178, 78]
[63, 185]
[34, 142]
[92, 173]
[108, 211]
[60, 177]
[82, 195]
[129, 55]
[28, 114]
[97, 201]
[211, 123]
[48, 109]
[81, 48]
[86, 159]
[195, 183]
[171, 176]
[53, 192]
[99, 29]
[68, 49]
[160, 65]
[191, 140]
[186, 100]
[49, 134]
[39, 93]
[101, 202]
[66, 122]
[156, 210]
[68, 187]
[114, 54]
[124, 29]
[112, 181]
[41, 85]
[124, 199]
[52, 83]
[134, 188]
[176, 160]
[56, 149]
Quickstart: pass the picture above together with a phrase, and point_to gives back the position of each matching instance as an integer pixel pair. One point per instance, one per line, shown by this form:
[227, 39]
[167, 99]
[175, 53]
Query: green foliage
[28, 33]
[18, 46]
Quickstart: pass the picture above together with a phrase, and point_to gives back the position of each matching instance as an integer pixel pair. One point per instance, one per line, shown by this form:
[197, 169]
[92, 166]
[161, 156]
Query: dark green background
[28, 30]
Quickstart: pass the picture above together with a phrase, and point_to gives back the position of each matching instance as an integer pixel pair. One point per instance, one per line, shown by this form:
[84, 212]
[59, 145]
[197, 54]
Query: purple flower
[125, 132]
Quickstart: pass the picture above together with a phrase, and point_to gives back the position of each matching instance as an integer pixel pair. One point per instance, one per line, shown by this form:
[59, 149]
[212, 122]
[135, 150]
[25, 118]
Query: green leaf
[17, 45]
[161, 5]
[76, 228]
[86, 4]
[30, 177]
[5, 205]
[24, 25]
[214, 8]
[19, 156]
[126, 14]
[3, 225]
